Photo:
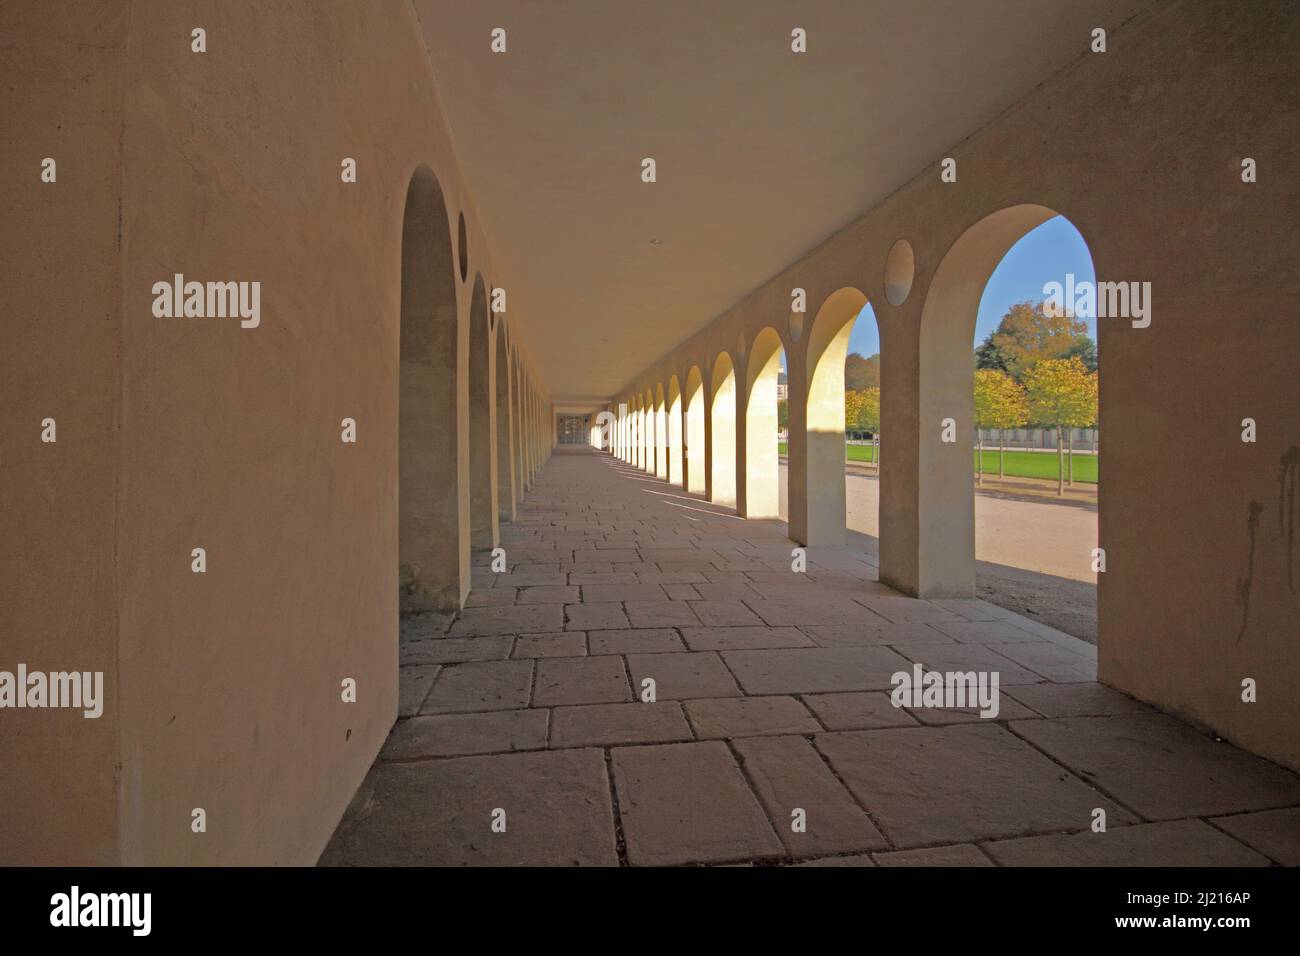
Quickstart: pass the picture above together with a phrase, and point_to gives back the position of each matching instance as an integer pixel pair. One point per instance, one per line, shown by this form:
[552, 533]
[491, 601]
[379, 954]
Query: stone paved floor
[771, 698]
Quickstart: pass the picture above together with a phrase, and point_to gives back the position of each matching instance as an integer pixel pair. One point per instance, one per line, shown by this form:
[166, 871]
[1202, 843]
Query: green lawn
[1019, 464]
[1038, 464]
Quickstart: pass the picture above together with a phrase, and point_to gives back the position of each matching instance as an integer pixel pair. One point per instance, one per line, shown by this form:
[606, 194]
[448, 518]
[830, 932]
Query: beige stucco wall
[1140, 147]
[62, 347]
[225, 687]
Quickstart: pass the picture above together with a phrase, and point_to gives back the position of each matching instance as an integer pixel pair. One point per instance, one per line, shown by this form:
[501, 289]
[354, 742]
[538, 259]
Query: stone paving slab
[815, 669]
[682, 676]
[413, 685]
[447, 735]
[1274, 833]
[807, 611]
[688, 803]
[969, 657]
[547, 594]
[1161, 767]
[595, 617]
[791, 778]
[480, 685]
[728, 717]
[874, 633]
[906, 610]
[960, 784]
[418, 627]
[604, 725]
[661, 614]
[562, 644]
[985, 632]
[1055, 663]
[743, 638]
[1008, 709]
[724, 613]
[858, 711]
[491, 597]
[1178, 843]
[855, 859]
[557, 805]
[452, 650]
[647, 640]
[480, 621]
[959, 854]
[581, 680]
[618, 593]
[1076, 700]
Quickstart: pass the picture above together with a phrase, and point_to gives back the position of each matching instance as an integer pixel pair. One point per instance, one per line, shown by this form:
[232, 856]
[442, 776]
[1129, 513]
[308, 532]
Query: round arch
[761, 492]
[817, 433]
[428, 517]
[694, 456]
[722, 431]
[482, 439]
[673, 399]
[945, 480]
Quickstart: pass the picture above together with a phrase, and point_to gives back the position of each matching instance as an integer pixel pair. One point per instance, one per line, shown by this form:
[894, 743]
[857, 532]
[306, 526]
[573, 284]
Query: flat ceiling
[761, 153]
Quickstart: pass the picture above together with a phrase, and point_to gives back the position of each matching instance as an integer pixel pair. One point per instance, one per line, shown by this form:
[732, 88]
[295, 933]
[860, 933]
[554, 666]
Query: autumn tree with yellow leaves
[999, 403]
[1062, 393]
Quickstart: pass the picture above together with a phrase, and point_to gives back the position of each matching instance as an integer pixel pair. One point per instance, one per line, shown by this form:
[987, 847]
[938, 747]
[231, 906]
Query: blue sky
[1042, 255]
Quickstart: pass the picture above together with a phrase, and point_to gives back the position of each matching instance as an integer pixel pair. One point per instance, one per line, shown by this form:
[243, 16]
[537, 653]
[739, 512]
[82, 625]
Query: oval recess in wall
[900, 268]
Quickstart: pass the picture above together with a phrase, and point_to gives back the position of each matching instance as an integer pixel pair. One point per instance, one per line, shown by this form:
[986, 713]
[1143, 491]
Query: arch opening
[661, 434]
[428, 533]
[694, 457]
[946, 500]
[722, 431]
[817, 443]
[504, 427]
[762, 497]
[674, 403]
[482, 438]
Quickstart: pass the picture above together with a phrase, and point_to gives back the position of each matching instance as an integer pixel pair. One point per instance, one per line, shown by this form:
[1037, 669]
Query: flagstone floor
[523, 738]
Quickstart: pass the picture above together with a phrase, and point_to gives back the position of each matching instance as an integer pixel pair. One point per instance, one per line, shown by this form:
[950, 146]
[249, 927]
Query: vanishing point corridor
[524, 737]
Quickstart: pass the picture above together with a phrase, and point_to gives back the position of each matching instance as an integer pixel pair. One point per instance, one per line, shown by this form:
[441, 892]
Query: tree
[852, 408]
[1085, 349]
[999, 403]
[869, 421]
[782, 415]
[988, 355]
[1063, 394]
[1027, 335]
[861, 373]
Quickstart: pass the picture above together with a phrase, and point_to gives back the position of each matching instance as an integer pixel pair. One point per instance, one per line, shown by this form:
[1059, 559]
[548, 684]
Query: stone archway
[722, 431]
[428, 534]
